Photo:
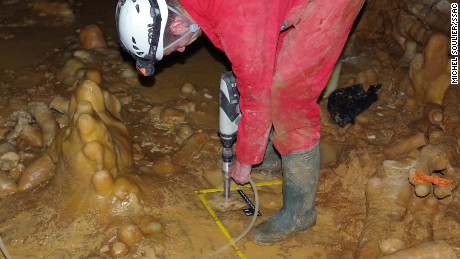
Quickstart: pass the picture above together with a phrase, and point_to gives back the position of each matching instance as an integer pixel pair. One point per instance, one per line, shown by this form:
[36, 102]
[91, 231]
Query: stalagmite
[406, 145]
[434, 114]
[333, 80]
[410, 28]
[429, 73]
[108, 112]
[40, 171]
[388, 195]
[451, 110]
[113, 105]
[129, 233]
[60, 104]
[124, 187]
[450, 177]
[432, 159]
[94, 75]
[437, 167]
[428, 76]
[410, 50]
[435, 134]
[45, 119]
[102, 182]
[93, 151]
[68, 74]
[89, 91]
[430, 17]
[31, 135]
[92, 37]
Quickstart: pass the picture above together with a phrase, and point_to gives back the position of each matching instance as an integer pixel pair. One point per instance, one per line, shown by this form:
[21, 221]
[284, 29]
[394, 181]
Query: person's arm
[248, 32]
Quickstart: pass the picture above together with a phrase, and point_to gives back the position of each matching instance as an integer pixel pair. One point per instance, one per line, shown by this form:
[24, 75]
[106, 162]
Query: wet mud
[97, 162]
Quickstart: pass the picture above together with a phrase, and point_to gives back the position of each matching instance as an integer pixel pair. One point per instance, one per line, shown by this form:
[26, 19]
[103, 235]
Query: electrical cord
[3, 248]
[248, 228]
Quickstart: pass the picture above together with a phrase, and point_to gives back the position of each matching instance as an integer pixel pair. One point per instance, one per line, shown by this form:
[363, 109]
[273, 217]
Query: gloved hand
[241, 173]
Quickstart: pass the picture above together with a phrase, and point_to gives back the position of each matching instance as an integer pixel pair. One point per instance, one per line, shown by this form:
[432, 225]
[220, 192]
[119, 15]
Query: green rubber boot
[272, 161]
[300, 180]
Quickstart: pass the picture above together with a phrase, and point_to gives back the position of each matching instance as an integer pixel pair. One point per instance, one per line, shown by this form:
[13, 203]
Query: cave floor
[183, 192]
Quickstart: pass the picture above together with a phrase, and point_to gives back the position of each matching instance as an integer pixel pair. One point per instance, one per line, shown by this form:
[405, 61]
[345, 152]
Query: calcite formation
[421, 29]
[92, 37]
[45, 120]
[388, 196]
[91, 155]
[425, 25]
[429, 75]
[436, 170]
[434, 173]
[89, 162]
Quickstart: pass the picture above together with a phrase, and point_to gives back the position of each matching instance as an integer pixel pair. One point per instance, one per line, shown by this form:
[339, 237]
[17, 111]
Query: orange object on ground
[419, 177]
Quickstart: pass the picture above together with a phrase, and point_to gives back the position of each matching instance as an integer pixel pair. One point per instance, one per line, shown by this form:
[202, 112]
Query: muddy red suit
[282, 53]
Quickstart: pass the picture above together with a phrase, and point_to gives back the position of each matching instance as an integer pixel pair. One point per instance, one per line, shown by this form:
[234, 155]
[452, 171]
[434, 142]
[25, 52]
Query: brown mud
[97, 162]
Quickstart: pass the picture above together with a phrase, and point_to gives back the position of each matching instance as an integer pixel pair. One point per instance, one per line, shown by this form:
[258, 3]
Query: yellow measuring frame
[219, 224]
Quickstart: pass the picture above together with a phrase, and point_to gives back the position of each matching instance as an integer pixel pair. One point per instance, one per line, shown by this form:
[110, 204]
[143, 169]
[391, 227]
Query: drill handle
[229, 100]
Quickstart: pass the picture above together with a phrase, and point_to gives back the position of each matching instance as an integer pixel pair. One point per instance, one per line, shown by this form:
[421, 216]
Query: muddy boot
[300, 180]
[272, 161]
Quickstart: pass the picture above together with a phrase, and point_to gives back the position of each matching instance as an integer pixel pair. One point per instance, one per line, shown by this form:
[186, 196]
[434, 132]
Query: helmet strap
[193, 27]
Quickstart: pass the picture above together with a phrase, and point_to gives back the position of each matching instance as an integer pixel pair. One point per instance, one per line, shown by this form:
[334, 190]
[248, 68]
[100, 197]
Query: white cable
[248, 228]
[3, 248]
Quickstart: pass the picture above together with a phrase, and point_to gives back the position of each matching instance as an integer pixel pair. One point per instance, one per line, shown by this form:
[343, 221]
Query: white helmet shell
[141, 25]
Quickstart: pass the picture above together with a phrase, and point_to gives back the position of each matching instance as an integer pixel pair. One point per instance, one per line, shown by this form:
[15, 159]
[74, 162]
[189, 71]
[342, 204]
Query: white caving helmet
[141, 28]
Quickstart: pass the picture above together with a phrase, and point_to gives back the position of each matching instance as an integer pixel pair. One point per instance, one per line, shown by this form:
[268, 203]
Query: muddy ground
[97, 162]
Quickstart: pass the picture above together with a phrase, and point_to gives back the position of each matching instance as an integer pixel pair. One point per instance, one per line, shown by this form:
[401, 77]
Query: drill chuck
[227, 154]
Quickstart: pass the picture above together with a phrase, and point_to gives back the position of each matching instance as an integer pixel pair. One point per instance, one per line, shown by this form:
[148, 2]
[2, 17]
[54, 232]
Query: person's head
[150, 29]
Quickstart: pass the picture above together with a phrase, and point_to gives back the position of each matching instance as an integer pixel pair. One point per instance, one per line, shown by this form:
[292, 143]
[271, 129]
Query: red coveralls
[280, 75]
